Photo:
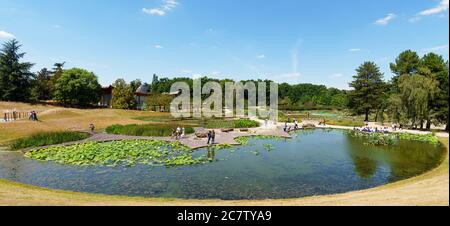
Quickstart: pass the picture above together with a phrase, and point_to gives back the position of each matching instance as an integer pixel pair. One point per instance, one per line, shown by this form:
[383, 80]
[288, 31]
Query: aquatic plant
[268, 147]
[223, 146]
[393, 138]
[127, 153]
[47, 138]
[242, 140]
[430, 138]
[375, 138]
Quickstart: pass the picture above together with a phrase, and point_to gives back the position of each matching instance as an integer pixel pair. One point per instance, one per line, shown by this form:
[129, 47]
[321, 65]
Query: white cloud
[6, 35]
[385, 20]
[158, 47]
[154, 11]
[167, 5]
[262, 56]
[354, 50]
[436, 48]
[215, 73]
[443, 6]
[56, 26]
[186, 71]
[337, 75]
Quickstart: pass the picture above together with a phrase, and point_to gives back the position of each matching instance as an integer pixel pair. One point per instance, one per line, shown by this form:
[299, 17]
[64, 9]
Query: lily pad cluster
[120, 153]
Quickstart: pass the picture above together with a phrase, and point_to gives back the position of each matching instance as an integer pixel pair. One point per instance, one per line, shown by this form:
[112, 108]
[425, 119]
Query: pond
[313, 162]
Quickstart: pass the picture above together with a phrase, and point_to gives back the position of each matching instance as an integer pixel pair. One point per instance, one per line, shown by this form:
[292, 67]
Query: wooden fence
[14, 115]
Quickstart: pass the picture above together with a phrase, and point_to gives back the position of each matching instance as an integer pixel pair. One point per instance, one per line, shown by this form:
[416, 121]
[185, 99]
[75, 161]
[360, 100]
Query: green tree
[437, 68]
[339, 100]
[77, 87]
[42, 85]
[417, 92]
[155, 83]
[368, 86]
[407, 63]
[158, 100]
[122, 95]
[15, 76]
[135, 84]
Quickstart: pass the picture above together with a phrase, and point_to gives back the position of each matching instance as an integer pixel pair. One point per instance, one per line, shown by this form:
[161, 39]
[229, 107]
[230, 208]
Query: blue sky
[295, 41]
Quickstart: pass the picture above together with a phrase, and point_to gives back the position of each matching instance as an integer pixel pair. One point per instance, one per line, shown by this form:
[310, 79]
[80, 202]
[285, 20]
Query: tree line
[73, 87]
[416, 96]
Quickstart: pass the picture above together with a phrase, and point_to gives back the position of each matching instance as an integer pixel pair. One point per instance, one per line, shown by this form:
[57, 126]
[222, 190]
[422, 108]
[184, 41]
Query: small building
[141, 95]
[106, 97]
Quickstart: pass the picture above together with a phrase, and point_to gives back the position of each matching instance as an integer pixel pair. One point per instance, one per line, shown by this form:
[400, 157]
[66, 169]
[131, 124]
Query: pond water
[313, 162]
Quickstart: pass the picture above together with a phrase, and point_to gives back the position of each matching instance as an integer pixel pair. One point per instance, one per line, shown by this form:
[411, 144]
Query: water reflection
[211, 153]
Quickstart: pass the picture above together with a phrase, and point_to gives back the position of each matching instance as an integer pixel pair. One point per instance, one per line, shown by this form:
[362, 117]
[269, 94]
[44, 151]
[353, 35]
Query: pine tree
[15, 76]
[368, 87]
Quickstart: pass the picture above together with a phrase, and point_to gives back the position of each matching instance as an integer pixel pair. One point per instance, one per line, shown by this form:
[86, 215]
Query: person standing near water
[213, 137]
[209, 137]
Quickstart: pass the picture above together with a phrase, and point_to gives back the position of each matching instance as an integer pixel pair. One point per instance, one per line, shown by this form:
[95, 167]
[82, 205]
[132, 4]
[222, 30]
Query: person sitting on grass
[173, 134]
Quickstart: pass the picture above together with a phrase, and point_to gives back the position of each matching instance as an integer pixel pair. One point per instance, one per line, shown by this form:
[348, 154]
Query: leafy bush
[245, 123]
[219, 124]
[150, 130]
[47, 138]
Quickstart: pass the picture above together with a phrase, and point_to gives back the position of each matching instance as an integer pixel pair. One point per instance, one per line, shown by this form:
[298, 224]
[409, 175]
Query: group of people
[396, 127]
[288, 128]
[211, 137]
[178, 133]
[372, 129]
[385, 129]
[33, 116]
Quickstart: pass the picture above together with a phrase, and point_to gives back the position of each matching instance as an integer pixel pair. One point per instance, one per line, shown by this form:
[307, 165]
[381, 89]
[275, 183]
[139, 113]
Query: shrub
[47, 138]
[150, 130]
[245, 123]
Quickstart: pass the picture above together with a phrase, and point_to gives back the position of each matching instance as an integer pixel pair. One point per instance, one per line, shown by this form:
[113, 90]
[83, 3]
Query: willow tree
[416, 93]
[369, 88]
